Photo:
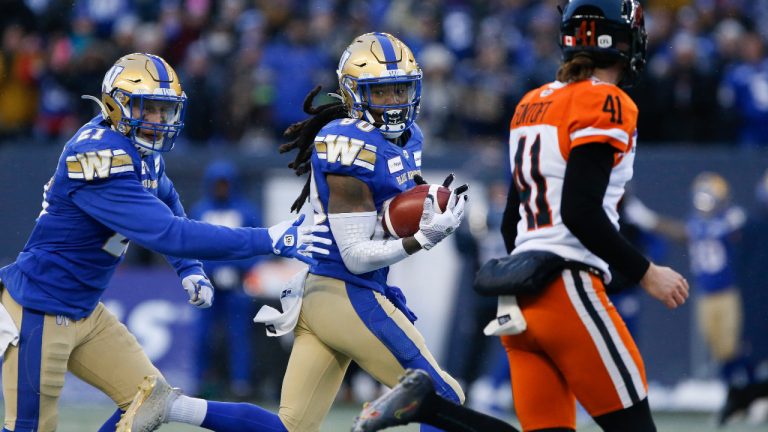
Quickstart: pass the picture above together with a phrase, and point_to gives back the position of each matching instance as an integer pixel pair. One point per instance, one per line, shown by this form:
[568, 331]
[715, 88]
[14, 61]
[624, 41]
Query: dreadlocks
[302, 136]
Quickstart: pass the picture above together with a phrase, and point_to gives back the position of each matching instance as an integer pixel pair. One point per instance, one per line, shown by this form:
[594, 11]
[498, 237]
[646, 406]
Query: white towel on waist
[279, 323]
[509, 318]
[9, 334]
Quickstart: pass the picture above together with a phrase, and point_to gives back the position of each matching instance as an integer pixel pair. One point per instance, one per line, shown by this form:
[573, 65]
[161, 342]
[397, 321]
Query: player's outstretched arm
[126, 208]
[291, 240]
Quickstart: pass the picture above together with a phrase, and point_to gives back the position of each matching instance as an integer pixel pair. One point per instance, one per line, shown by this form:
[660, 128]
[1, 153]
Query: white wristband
[423, 240]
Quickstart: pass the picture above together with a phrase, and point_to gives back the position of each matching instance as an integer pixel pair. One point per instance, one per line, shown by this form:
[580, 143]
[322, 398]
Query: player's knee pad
[636, 418]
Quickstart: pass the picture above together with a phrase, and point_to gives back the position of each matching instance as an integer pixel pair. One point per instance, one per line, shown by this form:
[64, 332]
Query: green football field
[86, 418]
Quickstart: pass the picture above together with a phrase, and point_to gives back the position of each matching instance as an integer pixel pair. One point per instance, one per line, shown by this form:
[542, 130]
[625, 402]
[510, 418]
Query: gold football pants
[97, 349]
[341, 322]
[720, 318]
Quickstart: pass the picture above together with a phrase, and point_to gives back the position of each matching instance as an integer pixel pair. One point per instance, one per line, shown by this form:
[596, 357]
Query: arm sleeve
[167, 193]
[586, 180]
[125, 207]
[511, 217]
[360, 254]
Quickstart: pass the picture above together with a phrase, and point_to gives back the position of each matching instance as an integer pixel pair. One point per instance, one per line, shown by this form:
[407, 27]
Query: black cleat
[738, 400]
[397, 406]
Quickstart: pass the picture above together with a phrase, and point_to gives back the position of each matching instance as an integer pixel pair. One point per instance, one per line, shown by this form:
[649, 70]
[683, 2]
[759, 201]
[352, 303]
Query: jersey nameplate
[98, 164]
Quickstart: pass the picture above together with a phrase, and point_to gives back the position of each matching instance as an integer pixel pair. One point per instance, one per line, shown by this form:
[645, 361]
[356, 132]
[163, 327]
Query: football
[402, 215]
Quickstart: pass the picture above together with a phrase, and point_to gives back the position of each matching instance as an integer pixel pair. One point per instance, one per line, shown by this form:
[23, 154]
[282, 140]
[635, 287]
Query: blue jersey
[103, 194]
[356, 148]
[710, 246]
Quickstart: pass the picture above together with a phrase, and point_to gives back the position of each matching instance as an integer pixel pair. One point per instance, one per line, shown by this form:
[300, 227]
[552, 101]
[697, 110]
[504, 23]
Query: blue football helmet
[610, 30]
[142, 98]
[380, 82]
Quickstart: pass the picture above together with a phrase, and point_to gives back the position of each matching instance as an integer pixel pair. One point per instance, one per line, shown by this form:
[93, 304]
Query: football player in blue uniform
[713, 229]
[360, 153]
[712, 233]
[110, 188]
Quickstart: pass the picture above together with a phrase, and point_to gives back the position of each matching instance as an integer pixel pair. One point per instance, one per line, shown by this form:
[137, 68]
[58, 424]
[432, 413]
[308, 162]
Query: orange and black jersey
[572, 148]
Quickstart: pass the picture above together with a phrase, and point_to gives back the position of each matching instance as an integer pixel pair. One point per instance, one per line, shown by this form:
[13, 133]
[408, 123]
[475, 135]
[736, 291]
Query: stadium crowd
[246, 65]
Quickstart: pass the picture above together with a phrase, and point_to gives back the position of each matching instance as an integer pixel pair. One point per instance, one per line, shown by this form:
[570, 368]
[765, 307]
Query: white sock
[188, 410]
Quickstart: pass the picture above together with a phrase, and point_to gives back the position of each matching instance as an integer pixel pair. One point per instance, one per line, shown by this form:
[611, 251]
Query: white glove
[291, 240]
[200, 290]
[434, 227]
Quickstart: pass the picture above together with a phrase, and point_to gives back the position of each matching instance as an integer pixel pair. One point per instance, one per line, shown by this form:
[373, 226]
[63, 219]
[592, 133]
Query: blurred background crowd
[246, 65]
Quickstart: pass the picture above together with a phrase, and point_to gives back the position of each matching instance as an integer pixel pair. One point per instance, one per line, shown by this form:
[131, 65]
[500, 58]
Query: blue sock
[428, 428]
[240, 417]
[111, 423]
[736, 372]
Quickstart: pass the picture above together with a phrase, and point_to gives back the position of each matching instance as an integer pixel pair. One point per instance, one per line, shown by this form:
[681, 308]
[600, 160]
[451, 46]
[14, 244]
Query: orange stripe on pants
[576, 347]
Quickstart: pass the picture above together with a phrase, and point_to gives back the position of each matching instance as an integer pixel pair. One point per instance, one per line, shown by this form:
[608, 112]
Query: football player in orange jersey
[572, 146]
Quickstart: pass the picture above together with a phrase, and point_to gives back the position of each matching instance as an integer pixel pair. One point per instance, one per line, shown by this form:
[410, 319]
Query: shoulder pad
[348, 142]
[601, 113]
[96, 152]
[98, 164]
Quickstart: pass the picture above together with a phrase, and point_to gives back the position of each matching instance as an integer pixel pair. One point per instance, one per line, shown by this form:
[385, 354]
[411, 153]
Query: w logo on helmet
[110, 77]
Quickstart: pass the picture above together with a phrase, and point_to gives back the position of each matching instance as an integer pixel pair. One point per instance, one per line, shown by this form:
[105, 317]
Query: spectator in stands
[685, 90]
[202, 82]
[21, 65]
[745, 90]
[301, 36]
[292, 65]
[438, 112]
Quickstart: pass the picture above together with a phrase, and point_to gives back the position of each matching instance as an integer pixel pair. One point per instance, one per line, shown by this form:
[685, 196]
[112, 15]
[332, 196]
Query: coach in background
[109, 188]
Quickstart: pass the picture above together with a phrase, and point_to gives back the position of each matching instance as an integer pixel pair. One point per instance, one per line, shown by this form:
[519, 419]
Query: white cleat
[150, 407]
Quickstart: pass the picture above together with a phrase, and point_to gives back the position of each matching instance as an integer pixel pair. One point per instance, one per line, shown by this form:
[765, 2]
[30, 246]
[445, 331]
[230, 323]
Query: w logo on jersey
[93, 164]
[98, 164]
[343, 149]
